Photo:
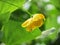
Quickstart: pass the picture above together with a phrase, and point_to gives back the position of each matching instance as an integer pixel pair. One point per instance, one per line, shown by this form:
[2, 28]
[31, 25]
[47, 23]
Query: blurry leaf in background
[1, 25]
[46, 1]
[51, 9]
[4, 17]
[5, 7]
[56, 3]
[1, 36]
[15, 34]
[40, 44]
[19, 15]
[58, 21]
[2, 44]
[51, 20]
[51, 13]
[10, 5]
[34, 8]
[46, 33]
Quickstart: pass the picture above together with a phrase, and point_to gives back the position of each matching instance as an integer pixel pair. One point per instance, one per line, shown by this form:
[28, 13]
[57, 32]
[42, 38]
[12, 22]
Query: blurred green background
[14, 12]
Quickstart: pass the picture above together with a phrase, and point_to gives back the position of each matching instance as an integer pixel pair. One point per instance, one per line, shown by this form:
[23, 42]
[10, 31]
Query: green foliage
[15, 34]
[12, 15]
[10, 5]
[56, 3]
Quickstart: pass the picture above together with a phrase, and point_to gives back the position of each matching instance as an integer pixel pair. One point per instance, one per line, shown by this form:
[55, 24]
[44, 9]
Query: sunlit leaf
[56, 3]
[10, 5]
[15, 34]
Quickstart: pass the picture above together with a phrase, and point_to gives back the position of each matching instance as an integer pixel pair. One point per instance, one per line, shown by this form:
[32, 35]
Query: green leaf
[56, 3]
[52, 22]
[15, 34]
[51, 14]
[51, 9]
[34, 8]
[19, 15]
[1, 35]
[10, 5]
[4, 17]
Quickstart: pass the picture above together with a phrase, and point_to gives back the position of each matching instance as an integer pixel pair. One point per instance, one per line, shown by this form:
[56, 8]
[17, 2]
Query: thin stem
[27, 12]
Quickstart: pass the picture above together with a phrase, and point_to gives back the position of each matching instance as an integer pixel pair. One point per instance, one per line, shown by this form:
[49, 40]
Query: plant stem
[28, 13]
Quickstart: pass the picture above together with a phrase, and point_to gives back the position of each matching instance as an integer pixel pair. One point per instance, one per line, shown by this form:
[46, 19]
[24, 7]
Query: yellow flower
[36, 21]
